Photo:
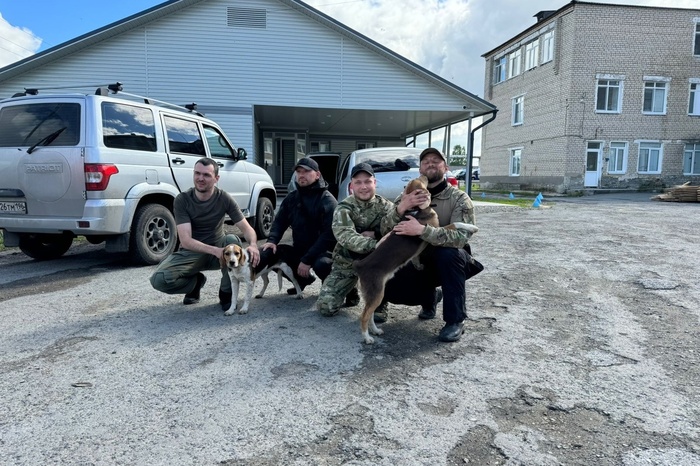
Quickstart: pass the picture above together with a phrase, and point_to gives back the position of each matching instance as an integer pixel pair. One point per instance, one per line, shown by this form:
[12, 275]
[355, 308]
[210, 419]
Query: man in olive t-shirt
[199, 214]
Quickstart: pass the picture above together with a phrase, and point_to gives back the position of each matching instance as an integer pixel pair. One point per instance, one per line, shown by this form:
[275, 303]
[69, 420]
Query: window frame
[514, 58]
[548, 46]
[532, 52]
[515, 153]
[499, 70]
[693, 160]
[620, 90]
[517, 116]
[618, 159]
[694, 97]
[650, 145]
[696, 38]
[653, 83]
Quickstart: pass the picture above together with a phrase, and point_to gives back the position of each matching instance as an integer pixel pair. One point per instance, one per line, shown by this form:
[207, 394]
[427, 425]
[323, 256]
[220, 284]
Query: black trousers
[292, 256]
[449, 268]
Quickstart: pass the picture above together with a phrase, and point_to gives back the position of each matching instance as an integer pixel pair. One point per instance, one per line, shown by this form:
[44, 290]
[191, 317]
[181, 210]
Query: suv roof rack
[114, 88]
[118, 88]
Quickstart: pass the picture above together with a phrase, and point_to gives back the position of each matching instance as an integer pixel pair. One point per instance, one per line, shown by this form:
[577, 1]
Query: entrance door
[288, 159]
[594, 152]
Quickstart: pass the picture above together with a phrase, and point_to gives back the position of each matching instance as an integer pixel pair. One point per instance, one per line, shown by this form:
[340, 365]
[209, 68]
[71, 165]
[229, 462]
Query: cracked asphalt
[581, 349]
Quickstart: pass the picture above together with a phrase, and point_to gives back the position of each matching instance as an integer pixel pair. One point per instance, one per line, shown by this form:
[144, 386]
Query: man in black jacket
[308, 210]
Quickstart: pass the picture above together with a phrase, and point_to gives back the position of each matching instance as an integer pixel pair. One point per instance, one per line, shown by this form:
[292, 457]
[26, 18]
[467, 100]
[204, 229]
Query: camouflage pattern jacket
[451, 205]
[352, 217]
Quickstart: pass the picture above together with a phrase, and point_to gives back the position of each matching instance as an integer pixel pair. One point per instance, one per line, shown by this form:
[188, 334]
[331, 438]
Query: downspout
[470, 151]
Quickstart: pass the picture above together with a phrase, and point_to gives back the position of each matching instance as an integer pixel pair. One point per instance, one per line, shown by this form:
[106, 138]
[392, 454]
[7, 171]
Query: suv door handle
[221, 165]
[178, 161]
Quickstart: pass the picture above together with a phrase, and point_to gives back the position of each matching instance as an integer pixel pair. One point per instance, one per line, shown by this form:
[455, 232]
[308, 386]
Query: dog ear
[222, 258]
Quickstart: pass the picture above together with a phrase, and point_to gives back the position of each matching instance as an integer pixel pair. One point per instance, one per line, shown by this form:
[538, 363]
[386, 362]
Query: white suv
[109, 168]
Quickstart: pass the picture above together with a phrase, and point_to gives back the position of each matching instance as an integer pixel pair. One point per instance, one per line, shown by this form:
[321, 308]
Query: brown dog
[392, 253]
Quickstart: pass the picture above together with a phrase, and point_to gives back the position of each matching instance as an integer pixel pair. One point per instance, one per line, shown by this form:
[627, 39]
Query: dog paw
[243, 311]
[230, 312]
[299, 295]
[376, 331]
[368, 340]
[258, 296]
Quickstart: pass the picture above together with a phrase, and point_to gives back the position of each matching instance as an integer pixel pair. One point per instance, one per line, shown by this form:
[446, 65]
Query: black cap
[362, 167]
[432, 150]
[307, 164]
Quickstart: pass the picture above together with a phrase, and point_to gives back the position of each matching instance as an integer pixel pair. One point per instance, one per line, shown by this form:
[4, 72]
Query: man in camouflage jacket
[357, 227]
[446, 261]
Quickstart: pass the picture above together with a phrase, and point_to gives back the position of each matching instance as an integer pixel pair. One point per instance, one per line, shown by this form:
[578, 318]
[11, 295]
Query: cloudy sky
[447, 37]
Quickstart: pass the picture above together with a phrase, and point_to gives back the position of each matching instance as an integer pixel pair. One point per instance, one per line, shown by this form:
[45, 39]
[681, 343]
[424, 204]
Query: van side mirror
[241, 154]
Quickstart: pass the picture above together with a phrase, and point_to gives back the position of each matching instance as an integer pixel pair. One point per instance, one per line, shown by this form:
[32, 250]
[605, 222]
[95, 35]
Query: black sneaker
[193, 296]
[428, 312]
[352, 299]
[381, 314]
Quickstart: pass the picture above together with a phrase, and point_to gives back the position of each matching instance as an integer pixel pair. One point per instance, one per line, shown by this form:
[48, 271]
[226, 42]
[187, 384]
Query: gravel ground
[581, 349]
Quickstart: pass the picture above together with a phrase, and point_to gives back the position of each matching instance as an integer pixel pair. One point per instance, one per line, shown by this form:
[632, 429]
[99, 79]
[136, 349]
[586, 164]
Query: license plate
[13, 207]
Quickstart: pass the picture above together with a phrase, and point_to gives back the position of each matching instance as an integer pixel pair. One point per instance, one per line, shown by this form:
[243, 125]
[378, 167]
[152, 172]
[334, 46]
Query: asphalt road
[581, 349]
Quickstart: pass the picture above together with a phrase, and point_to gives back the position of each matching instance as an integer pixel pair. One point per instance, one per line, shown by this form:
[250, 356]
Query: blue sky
[447, 37]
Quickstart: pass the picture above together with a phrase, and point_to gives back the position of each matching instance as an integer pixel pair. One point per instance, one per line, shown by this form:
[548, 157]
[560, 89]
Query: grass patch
[515, 202]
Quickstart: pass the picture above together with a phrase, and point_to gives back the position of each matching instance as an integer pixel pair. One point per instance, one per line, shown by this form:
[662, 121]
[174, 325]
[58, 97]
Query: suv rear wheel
[44, 247]
[263, 219]
[153, 234]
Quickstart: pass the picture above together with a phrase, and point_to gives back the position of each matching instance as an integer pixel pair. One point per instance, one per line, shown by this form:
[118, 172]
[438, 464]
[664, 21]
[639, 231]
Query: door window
[183, 136]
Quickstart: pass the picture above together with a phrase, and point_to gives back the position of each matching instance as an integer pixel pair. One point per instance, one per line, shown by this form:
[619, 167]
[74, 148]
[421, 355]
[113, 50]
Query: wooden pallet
[680, 193]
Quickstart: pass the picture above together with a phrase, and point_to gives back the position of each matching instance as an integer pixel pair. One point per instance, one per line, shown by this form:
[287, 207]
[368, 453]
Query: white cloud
[17, 43]
[448, 37]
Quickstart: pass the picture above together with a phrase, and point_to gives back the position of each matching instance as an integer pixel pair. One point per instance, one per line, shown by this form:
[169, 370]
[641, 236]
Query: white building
[282, 78]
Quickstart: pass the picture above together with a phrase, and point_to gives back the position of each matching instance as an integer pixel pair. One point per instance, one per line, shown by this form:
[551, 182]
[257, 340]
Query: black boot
[303, 283]
[225, 299]
[352, 299]
[428, 311]
[193, 296]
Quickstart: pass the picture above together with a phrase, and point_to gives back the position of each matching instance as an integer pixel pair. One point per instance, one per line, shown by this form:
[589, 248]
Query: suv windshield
[28, 125]
[390, 160]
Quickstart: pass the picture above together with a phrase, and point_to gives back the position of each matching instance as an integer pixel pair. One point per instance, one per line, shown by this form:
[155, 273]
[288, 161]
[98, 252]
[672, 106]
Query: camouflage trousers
[335, 287]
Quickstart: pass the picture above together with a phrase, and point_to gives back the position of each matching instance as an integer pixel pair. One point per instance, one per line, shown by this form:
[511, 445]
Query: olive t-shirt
[207, 218]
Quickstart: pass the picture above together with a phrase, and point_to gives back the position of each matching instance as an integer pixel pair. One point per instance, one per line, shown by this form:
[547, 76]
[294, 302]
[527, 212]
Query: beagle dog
[393, 252]
[240, 270]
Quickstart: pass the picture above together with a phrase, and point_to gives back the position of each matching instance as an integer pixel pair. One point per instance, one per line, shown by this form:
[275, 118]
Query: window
[696, 43]
[694, 100]
[26, 125]
[183, 136]
[691, 159]
[617, 158]
[532, 51]
[514, 63]
[128, 127]
[218, 145]
[650, 154]
[608, 96]
[499, 70]
[515, 155]
[654, 97]
[517, 116]
[547, 46]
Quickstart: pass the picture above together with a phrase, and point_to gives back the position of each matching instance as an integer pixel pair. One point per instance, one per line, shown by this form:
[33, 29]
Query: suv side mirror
[241, 154]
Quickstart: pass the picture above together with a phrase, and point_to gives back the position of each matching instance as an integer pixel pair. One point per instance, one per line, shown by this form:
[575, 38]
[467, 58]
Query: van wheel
[264, 217]
[44, 247]
[153, 234]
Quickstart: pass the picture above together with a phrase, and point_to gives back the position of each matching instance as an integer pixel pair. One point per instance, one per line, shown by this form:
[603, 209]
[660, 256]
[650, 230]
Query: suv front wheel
[153, 234]
[264, 217]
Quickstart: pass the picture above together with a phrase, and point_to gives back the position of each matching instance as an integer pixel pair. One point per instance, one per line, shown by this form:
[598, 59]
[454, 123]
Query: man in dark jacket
[308, 210]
